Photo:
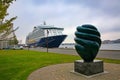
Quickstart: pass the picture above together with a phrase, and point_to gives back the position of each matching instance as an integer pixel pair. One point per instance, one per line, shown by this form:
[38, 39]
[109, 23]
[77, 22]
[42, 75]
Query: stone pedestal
[88, 68]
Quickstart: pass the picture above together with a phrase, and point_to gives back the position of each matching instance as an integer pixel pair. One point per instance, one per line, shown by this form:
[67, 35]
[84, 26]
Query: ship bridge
[51, 31]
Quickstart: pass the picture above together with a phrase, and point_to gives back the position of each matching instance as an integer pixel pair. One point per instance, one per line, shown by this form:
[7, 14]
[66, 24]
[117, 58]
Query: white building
[5, 39]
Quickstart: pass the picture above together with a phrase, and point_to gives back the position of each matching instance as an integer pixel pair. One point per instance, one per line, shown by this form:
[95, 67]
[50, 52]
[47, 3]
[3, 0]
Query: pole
[47, 41]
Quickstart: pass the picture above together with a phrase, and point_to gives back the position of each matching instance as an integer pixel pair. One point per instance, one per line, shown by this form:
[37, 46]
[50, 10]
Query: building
[6, 39]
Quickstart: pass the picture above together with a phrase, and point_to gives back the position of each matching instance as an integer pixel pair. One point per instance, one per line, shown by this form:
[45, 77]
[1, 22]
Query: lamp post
[47, 40]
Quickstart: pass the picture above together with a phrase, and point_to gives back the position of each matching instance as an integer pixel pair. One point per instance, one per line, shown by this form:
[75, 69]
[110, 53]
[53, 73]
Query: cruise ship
[45, 36]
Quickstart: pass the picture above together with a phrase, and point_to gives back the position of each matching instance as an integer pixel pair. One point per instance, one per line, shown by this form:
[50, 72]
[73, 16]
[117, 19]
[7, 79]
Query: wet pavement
[111, 54]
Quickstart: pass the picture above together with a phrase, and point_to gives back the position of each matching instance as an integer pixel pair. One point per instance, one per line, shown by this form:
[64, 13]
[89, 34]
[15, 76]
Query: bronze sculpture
[87, 41]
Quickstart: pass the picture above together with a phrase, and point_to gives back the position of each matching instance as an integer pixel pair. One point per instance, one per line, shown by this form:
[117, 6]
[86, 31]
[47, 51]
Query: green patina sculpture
[88, 42]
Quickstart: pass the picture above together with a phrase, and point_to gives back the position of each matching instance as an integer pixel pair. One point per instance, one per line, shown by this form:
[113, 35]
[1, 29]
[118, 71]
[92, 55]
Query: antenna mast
[44, 23]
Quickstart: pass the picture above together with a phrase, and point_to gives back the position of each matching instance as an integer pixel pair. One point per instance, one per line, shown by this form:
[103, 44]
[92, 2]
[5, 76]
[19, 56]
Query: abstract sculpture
[87, 45]
[88, 42]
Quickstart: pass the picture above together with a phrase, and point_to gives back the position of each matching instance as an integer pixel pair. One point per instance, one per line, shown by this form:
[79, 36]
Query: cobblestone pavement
[63, 72]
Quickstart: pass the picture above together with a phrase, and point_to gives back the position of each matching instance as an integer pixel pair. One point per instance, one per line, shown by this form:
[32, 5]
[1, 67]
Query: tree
[6, 26]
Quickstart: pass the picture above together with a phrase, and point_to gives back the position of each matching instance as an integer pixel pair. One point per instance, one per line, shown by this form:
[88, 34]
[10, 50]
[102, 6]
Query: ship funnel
[34, 27]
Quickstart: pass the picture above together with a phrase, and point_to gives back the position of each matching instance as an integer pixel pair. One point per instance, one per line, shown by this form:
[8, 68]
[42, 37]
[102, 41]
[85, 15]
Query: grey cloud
[108, 7]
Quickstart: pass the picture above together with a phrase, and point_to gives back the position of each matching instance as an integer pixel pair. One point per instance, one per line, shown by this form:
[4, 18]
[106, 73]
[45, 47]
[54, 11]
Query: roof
[49, 27]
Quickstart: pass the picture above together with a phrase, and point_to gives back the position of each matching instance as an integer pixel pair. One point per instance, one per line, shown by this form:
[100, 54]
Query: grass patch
[110, 60]
[18, 64]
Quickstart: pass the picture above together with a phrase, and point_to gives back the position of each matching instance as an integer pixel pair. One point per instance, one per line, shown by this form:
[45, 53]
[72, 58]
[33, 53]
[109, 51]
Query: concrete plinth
[88, 68]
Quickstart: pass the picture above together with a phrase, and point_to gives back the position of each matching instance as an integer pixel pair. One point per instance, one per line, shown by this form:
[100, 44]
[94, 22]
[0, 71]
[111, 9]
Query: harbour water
[103, 46]
[110, 47]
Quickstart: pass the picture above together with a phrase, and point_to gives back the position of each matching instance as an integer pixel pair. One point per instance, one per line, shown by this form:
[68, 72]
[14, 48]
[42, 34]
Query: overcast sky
[104, 14]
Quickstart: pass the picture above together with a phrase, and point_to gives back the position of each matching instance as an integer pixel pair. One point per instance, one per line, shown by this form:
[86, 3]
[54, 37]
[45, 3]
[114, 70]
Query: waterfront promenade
[111, 54]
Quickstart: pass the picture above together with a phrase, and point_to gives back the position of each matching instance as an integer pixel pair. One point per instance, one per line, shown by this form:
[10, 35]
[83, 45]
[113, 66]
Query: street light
[47, 40]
